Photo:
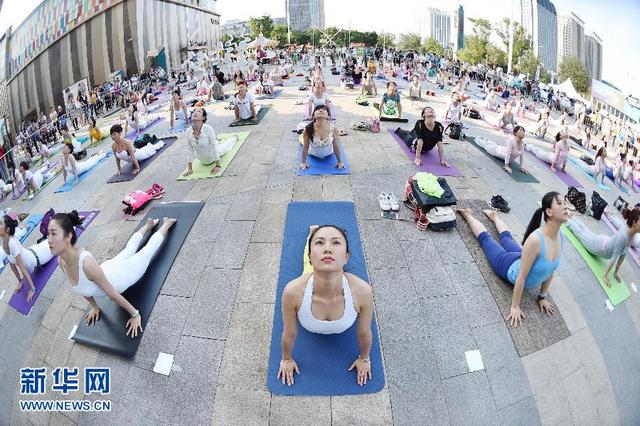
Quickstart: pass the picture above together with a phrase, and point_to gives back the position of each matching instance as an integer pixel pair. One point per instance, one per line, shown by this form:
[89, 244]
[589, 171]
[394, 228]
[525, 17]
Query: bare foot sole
[491, 214]
[168, 221]
[465, 212]
[151, 223]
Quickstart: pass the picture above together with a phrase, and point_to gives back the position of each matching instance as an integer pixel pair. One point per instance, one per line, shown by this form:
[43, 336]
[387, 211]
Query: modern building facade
[305, 14]
[458, 28]
[61, 43]
[235, 28]
[545, 33]
[570, 36]
[593, 55]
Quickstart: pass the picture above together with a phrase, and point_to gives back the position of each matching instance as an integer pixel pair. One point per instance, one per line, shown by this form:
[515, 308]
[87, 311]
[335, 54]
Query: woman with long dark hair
[320, 138]
[534, 263]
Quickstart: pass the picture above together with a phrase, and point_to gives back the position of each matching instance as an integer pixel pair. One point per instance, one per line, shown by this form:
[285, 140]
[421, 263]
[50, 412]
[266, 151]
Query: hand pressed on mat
[546, 307]
[286, 370]
[93, 316]
[363, 369]
[133, 325]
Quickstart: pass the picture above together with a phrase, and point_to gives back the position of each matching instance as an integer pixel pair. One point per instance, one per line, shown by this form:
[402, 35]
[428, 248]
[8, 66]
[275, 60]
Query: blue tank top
[541, 269]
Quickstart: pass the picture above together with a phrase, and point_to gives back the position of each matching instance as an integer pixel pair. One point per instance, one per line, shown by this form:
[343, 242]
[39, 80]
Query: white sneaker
[384, 202]
[393, 202]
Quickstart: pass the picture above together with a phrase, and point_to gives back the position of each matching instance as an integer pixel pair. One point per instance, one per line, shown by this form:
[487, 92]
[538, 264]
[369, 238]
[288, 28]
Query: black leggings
[407, 137]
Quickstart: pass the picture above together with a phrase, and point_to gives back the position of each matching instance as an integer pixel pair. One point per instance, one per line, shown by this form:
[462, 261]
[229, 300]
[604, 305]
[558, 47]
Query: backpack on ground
[143, 140]
[374, 123]
[441, 218]
[455, 130]
[137, 200]
[598, 204]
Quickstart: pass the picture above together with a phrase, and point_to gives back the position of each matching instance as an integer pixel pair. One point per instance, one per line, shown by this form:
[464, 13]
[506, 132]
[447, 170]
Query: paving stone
[480, 307]
[380, 245]
[370, 409]
[469, 399]
[231, 245]
[212, 303]
[580, 398]
[449, 345]
[241, 407]
[260, 273]
[284, 410]
[61, 346]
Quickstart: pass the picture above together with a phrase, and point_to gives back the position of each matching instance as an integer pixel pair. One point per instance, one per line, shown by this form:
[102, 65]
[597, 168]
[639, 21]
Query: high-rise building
[570, 36]
[447, 27]
[544, 31]
[593, 55]
[523, 14]
[305, 14]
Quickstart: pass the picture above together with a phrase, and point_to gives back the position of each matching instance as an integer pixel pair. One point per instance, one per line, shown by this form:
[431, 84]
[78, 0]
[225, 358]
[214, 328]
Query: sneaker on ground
[383, 201]
[393, 202]
[499, 203]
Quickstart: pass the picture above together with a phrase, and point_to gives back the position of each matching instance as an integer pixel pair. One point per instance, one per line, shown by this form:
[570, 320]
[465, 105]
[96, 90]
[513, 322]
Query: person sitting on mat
[415, 88]
[76, 168]
[178, 109]
[514, 149]
[534, 263]
[605, 247]
[454, 109]
[95, 135]
[599, 167]
[316, 75]
[124, 150]
[243, 102]
[557, 157]
[369, 86]
[137, 109]
[204, 145]
[113, 276]
[390, 105]
[23, 261]
[46, 153]
[35, 180]
[318, 97]
[491, 102]
[216, 92]
[17, 186]
[506, 117]
[426, 134]
[326, 301]
[320, 138]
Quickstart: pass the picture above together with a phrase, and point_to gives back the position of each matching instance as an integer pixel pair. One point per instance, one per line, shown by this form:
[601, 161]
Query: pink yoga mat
[42, 274]
[564, 176]
[430, 159]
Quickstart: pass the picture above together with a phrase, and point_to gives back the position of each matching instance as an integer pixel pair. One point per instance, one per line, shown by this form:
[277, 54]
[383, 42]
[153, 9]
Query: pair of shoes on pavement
[388, 201]
[499, 203]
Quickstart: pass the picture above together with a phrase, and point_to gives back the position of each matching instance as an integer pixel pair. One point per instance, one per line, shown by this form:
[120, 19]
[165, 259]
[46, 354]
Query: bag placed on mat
[474, 113]
[578, 199]
[441, 218]
[620, 204]
[587, 159]
[456, 130]
[142, 140]
[598, 205]
[44, 223]
[374, 123]
[137, 200]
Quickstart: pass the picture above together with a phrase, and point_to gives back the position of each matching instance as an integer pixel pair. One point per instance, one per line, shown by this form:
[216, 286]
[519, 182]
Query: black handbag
[455, 130]
[578, 199]
[598, 204]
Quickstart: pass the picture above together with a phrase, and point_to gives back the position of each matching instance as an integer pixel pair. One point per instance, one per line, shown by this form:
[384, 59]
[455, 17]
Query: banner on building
[70, 94]
[607, 94]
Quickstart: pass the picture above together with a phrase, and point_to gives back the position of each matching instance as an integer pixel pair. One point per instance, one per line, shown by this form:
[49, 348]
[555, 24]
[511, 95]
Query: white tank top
[307, 320]
[86, 287]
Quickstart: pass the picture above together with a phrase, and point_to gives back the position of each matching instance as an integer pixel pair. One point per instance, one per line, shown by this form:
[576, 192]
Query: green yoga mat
[619, 292]
[201, 171]
[249, 122]
[44, 185]
[516, 174]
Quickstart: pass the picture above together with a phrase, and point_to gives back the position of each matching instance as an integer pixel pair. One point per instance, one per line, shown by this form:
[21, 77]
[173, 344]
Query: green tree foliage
[528, 64]
[496, 57]
[369, 38]
[279, 34]
[481, 28]
[410, 41]
[386, 39]
[300, 37]
[431, 45]
[545, 77]
[475, 50]
[521, 41]
[572, 68]
[263, 24]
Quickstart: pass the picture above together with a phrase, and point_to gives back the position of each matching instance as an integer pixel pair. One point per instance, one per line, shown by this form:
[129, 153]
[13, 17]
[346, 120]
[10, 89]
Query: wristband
[364, 359]
[135, 314]
[542, 297]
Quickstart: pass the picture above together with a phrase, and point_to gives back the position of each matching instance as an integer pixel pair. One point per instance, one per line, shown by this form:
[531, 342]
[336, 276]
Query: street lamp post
[288, 23]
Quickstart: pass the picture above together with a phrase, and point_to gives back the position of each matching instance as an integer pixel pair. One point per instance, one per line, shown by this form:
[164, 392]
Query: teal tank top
[541, 269]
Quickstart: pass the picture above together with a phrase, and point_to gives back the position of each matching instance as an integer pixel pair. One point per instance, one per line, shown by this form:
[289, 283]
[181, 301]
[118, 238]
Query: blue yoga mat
[599, 184]
[324, 166]
[178, 126]
[323, 358]
[71, 182]
[32, 221]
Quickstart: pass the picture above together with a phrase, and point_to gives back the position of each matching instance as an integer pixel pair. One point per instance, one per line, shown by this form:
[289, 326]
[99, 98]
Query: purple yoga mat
[430, 159]
[564, 176]
[42, 274]
[126, 175]
[132, 133]
[634, 252]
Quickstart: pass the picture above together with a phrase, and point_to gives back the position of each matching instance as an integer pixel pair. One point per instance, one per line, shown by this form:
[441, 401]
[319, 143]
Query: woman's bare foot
[151, 223]
[465, 213]
[167, 222]
[491, 214]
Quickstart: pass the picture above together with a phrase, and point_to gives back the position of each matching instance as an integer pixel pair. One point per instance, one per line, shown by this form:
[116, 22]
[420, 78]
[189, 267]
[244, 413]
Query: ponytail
[11, 224]
[536, 219]
[630, 215]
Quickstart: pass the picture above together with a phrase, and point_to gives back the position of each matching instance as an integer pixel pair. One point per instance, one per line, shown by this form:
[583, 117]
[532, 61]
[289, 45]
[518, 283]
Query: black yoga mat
[109, 333]
[127, 168]
[249, 122]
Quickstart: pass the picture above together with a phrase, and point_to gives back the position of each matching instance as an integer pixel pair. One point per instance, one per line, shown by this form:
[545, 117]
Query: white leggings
[142, 123]
[618, 222]
[594, 243]
[147, 151]
[128, 266]
[492, 148]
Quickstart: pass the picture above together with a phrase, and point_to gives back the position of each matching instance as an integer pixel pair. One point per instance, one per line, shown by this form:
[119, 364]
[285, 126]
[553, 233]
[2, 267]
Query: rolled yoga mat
[32, 221]
[376, 111]
[109, 333]
[516, 174]
[430, 159]
[323, 166]
[127, 169]
[323, 358]
[41, 275]
[563, 176]
[71, 180]
[200, 171]
[259, 115]
[132, 133]
[618, 292]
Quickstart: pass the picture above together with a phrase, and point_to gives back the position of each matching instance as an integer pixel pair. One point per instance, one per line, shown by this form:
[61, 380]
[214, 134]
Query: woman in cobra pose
[327, 300]
[137, 109]
[113, 276]
[320, 138]
[75, 168]
[558, 156]
[178, 109]
[599, 167]
[94, 133]
[614, 248]
[317, 97]
[513, 150]
[124, 150]
[35, 180]
[23, 261]
[369, 86]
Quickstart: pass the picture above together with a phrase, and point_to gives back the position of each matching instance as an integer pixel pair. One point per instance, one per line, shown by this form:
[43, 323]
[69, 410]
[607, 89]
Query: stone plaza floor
[433, 302]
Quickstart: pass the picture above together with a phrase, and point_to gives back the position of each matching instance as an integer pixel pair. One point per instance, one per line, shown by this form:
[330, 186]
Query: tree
[545, 77]
[262, 25]
[496, 57]
[481, 28]
[572, 68]
[279, 34]
[300, 37]
[521, 41]
[410, 41]
[475, 50]
[432, 45]
[386, 39]
[528, 64]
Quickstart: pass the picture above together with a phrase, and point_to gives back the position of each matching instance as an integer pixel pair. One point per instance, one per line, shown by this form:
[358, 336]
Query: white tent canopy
[568, 89]
[259, 41]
